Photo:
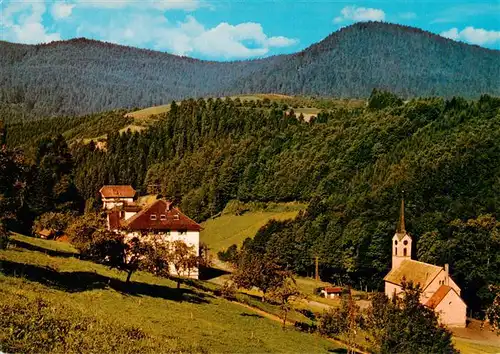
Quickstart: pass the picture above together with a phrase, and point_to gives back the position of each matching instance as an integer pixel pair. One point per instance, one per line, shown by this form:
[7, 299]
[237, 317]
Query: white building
[158, 219]
[113, 196]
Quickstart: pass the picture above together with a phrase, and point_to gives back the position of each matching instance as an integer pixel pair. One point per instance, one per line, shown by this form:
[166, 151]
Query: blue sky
[237, 29]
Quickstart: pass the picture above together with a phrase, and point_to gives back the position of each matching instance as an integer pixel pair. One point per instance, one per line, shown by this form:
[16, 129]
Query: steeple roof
[400, 228]
[401, 223]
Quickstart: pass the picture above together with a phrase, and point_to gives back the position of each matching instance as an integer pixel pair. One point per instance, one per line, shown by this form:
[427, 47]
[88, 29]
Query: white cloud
[473, 35]
[22, 22]
[281, 41]
[61, 10]
[452, 33]
[359, 14]
[244, 40]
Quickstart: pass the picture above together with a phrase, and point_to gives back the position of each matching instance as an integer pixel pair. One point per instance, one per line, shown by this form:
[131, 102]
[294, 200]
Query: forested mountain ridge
[349, 164]
[81, 76]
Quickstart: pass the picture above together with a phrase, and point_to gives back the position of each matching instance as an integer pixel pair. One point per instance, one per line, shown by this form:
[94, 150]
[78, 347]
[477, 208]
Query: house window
[152, 216]
[182, 232]
[163, 217]
[405, 242]
[176, 217]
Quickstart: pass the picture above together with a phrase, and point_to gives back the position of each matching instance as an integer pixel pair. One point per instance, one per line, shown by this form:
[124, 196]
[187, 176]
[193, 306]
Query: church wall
[390, 288]
[452, 311]
[440, 279]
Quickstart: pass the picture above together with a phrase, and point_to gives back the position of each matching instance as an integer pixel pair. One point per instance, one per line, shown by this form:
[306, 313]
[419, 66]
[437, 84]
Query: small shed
[45, 234]
[331, 292]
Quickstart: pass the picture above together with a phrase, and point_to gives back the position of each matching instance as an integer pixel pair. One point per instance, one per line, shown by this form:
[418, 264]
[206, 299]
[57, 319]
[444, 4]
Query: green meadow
[228, 229]
[51, 301]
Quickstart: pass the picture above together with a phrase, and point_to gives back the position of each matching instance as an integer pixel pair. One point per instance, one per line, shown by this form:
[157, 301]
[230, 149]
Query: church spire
[401, 223]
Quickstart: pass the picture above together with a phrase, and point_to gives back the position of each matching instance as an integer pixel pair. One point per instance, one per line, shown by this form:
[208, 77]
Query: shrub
[306, 327]
[227, 291]
[229, 255]
[58, 222]
[333, 322]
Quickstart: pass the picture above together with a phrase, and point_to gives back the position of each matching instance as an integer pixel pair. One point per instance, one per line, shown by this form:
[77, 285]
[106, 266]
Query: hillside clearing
[188, 321]
[229, 229]
[149, 111]
[146, 113]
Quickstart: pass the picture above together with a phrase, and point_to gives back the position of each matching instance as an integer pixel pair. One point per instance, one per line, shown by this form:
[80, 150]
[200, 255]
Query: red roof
[438, 296]
[330, 290]
[117, 192]
[161, 216]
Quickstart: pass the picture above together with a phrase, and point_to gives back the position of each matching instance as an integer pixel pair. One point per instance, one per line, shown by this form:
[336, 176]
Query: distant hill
[81, 76]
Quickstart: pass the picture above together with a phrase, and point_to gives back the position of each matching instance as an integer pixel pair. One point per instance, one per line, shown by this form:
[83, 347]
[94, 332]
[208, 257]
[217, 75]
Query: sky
[237, 29]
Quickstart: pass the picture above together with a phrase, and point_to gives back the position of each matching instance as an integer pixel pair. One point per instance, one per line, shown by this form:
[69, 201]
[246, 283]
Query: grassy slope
[149, 111]
[223, 231]
[468, 347]
[197, 321]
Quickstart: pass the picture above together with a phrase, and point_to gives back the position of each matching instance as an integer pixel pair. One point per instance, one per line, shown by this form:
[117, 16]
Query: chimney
[169, 203]
[447, 273]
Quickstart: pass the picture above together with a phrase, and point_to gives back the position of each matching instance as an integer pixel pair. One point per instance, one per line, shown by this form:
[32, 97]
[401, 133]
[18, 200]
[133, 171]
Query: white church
[439, 291]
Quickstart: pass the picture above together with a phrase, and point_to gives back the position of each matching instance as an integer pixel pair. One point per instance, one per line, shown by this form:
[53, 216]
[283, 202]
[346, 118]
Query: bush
[333, 322]
[305, 327]
[229, 255]
[58, 222]
[227, 291]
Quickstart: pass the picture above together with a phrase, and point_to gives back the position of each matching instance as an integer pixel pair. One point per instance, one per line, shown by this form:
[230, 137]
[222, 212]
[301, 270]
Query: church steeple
[401, 248]
[401, 223]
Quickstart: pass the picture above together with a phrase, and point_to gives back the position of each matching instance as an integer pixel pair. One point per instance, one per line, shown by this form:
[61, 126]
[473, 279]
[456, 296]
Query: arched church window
[404, 252]
[405, 242]
[395, 251]
[396, 242]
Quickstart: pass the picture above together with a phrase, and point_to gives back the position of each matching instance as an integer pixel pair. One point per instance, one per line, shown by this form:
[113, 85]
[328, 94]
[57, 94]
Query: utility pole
[316, 275]
[351, 332]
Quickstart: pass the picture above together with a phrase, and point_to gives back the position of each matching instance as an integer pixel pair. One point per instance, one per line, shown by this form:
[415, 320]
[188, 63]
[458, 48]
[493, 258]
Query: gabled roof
[414, 271]
[117, 191]
[438, 296]
[332, 290]
[400, 236]
[165, 218]
[45, 232]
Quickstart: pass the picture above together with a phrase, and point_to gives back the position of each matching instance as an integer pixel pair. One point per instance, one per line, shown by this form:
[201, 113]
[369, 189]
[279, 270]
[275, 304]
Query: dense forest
[350, 164]
[348, 63]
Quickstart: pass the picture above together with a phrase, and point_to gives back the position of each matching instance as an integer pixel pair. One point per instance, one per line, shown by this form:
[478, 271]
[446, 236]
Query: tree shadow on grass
[338, 350]
[207, 273]
[82, 281]
[244, 314]
[52, 253]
